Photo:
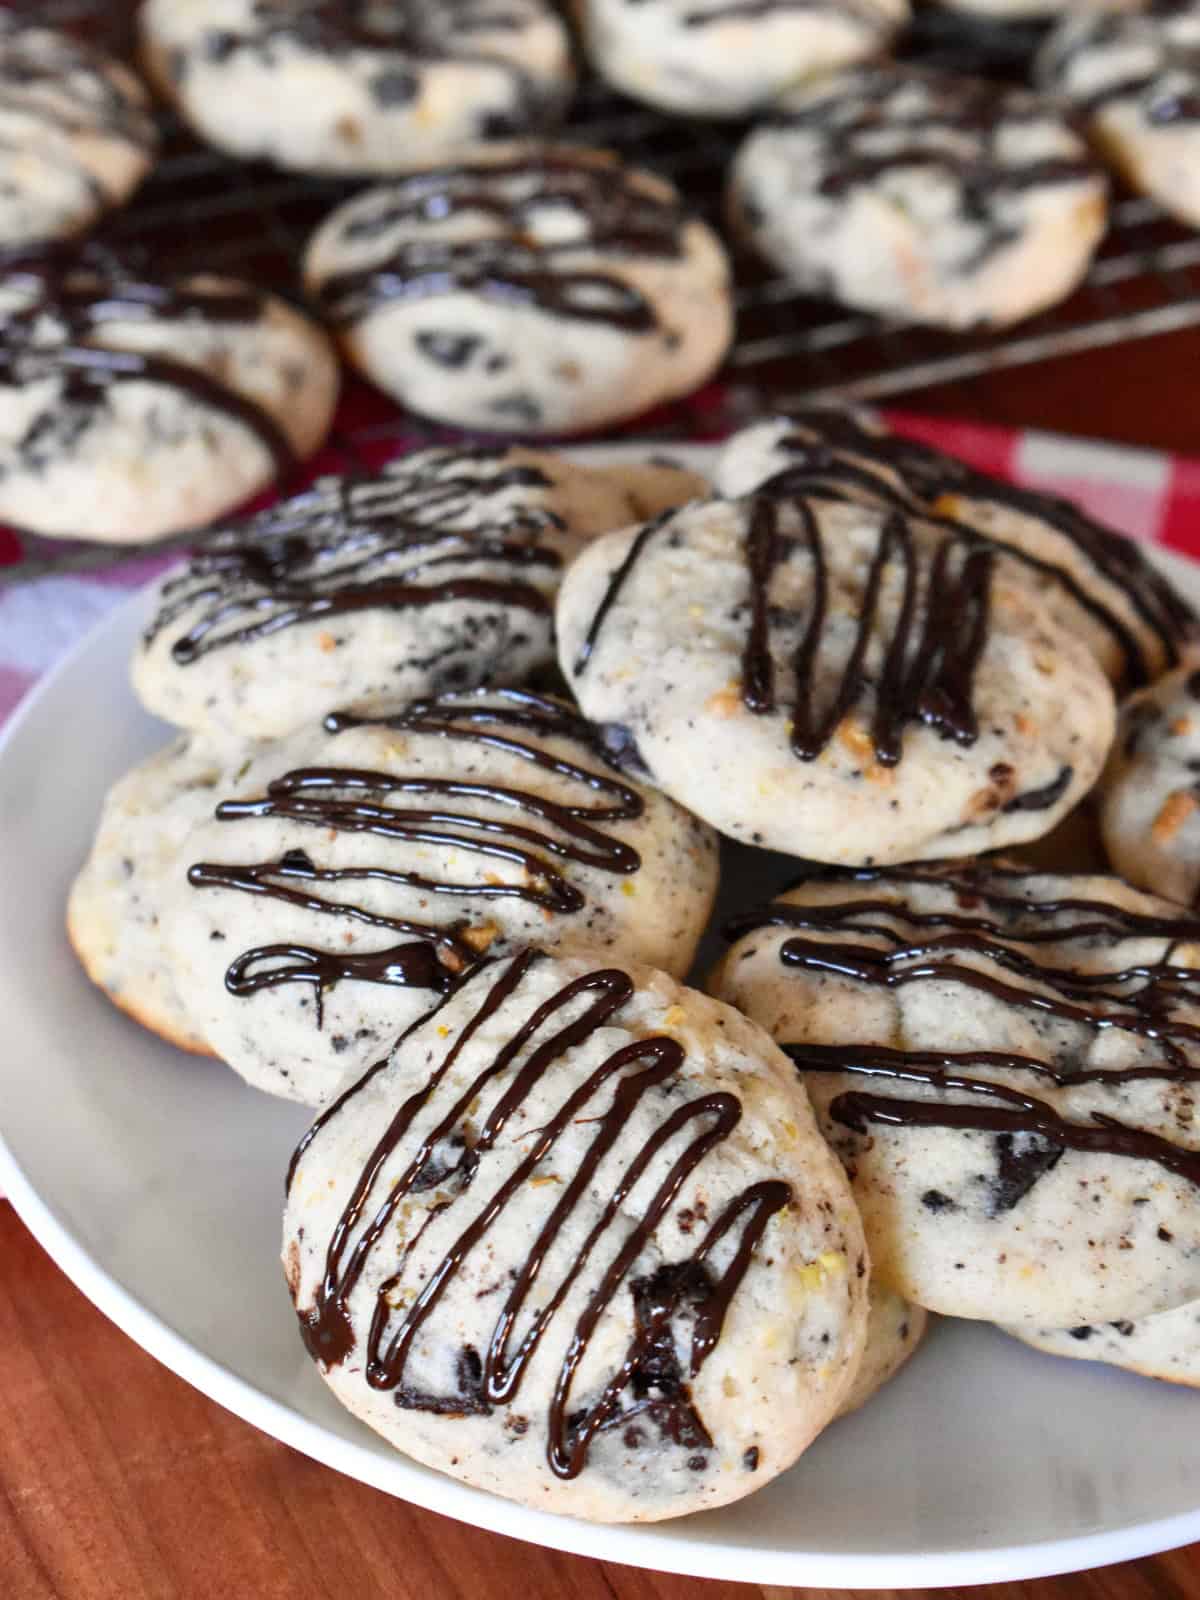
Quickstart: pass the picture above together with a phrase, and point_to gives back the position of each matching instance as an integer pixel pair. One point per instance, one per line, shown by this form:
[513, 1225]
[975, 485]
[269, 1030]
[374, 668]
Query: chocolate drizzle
[430, 955]
[613, 212]
[932, 643]
[68, 306]
[833, 452]
[692, 1290]
[990, 945]
[364, 544]
[51, 79]
[400, 39]
[880, 120]
[1164, 42]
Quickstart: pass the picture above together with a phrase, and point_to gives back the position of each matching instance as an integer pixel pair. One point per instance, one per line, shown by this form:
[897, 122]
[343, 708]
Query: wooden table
[118, 1481]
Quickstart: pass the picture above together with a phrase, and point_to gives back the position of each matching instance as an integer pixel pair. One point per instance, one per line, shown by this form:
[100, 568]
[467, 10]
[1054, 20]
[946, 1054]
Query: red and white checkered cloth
[1144, 493]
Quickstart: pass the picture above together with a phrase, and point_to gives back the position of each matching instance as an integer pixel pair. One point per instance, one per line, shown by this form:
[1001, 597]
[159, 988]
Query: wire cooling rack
[201, 210]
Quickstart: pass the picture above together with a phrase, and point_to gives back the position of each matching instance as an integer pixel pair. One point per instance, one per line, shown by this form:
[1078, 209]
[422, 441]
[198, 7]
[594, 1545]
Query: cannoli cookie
[114, 913]
[895, 1327]
[728, 58]
[356, 86]
[922, 195]
[578, 1242]
[1099, 584]
[1166, 1346]
[76, 135]
[834, 681]
[1135, 78]
[361, 871]
[1006, 1061]
[438, 573]
[1149, 797]
[131, 409]
[525, 288]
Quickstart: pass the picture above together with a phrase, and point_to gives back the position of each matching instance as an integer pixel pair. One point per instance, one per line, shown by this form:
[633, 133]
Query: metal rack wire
[200, 209]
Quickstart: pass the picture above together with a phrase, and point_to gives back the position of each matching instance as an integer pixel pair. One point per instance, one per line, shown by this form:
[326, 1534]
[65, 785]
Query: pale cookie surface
[1005, 1061]
[1149, 797]
[1014, 10]
[365, 869]
[1136, 80]
[825, 679]
[582, 1232]
[76, 135]
[895, 1327]
[1098, 583]
[725, 58]
[921, 195]
[1166, 1346]
[356, 86]
[131, 409]
[114, 913]
[537, 289]
[438, 573]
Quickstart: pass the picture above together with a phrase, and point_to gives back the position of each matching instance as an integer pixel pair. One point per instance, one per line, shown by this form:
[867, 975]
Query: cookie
[1006, 1062]
[115, 906]
[361, 870]
[76, 135]
[356, 87]
[641, 1155]
[1166, 1346]
[921, 195]
[1098, 583]
[711, 58]
[895, 1327]
[1135, 79]
[535, 289]
[439, 573]
[657, 485]
[1149, 799]
[833, 681]
[131, 409]
[1002, 11]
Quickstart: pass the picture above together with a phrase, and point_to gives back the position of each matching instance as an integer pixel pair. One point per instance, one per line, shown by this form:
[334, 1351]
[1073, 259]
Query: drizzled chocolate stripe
[634, 1070]
[83, 299]
[1015, 1112]
[933, 645]
[403, 36]
[1166, 80]
[318, 556]
[841, 455]
[616, 214]
[431, 954]
[1141, 999]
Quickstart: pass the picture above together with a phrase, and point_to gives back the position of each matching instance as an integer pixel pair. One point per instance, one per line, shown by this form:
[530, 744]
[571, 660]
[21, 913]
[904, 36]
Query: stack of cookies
[464, 750]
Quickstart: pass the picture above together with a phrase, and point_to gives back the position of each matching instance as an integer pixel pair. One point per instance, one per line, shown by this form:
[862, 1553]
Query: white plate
[155, 1181]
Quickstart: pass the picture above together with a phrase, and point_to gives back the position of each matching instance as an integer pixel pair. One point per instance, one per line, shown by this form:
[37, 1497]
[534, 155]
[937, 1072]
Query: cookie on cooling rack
[895, 1328]
[1098, 583]
[1005, 1061]
[708, 58]
[578, 1242]
[115, 905]
[362, 87]
[76, 135]
[1166, 1346]
[1149, 797]
[132, 408]
[525, 288]
[1136, 80]
[438, 573]
[362, 870]
[921, 195]
[834, 681]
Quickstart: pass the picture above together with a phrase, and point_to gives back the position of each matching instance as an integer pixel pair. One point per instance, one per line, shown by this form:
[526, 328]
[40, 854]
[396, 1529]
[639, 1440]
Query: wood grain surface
[118, 1481]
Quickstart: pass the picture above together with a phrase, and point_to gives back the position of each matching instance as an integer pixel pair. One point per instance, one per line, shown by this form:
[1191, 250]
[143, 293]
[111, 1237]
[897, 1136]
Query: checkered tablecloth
[1144, 493]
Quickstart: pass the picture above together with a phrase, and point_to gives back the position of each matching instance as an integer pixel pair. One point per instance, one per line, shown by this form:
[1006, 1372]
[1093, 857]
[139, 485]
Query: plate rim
[636, 1545]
